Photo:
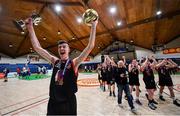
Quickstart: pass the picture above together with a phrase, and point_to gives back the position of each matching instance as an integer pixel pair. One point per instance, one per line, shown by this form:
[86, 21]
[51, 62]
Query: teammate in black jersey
[134, 69]
[164, 67]
[99, 66]
[111, 66]
[63, 84]
[148, 78]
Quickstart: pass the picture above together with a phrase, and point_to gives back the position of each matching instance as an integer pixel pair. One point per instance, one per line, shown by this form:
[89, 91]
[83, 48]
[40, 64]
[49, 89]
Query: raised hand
[29, 23]
[94, 23]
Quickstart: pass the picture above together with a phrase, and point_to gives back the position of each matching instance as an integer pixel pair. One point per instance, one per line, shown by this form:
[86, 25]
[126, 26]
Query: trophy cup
[89, 16]
[21, 25]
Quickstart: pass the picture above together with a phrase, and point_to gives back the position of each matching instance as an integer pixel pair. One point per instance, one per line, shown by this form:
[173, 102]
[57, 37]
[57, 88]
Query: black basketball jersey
[63, 92]
[163, 71]
[134, 72]
[109, 72]
[103, 72]
[148, 72]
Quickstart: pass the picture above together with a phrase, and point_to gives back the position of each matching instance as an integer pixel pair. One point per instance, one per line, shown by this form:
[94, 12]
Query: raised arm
[130, 67]
[153, 65]
[124, 59]
[36, 45]
[144, 64]
[160, 64]
[89, 47]
[172, 62]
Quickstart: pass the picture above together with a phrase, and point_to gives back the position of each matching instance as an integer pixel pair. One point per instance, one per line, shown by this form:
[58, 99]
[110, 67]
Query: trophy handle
[19, 24]
[36, 18]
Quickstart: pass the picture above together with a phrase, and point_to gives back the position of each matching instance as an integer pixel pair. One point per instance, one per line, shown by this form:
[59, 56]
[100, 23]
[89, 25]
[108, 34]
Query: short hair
[62, 42]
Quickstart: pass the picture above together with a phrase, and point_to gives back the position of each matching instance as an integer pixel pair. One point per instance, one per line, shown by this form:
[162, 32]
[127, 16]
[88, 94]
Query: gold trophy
[21, 25]
[89, 16]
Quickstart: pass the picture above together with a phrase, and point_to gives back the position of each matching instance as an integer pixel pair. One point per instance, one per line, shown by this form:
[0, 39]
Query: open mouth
[62, 52]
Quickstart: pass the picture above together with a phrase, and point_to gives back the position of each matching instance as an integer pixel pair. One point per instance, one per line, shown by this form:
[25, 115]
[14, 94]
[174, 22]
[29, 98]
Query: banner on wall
[171, 51]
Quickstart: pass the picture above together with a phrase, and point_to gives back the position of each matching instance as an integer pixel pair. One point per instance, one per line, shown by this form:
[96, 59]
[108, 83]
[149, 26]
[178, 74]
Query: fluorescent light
[22, 32]
[58, 8]
[44, 38]
[79, 19]
[158, 12]
[59, 32]
[10, 45]
[112, 10]
[119, 23]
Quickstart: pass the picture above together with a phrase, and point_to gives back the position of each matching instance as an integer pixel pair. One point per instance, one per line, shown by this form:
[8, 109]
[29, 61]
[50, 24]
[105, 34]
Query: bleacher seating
[33, 67]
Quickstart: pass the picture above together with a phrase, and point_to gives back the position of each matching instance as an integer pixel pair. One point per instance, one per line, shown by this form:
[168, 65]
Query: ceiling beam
[172, 39]
[11, 33]
[54, 2]
[69, 28]
[25, 37]
[125, 9]
[114, 37]
[155, 41]
[147, 20]
[5, 53]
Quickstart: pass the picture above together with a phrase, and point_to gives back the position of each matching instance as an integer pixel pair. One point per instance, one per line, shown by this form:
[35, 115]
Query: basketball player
[163, 67]
[134, 69]
[99, 66]
[63, 84]
[104, 76]
[148, 78]
[111, 75]
[6, 71]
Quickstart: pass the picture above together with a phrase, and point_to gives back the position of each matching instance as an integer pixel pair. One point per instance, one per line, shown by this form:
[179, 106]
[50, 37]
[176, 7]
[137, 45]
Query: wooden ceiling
[139, 23]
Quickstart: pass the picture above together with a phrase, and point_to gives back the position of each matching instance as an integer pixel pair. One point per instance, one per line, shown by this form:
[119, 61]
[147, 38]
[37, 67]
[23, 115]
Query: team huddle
[126, 76]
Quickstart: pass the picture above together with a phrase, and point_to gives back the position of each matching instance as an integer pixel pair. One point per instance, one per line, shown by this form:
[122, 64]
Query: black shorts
[104, 78]
[134, 81]
[62, 108]
[149, 83]
[109, 80]
[99, 78]
[165, 81]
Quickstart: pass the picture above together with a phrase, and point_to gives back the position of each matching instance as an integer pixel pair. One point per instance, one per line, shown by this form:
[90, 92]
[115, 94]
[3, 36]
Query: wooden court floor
[22, 97]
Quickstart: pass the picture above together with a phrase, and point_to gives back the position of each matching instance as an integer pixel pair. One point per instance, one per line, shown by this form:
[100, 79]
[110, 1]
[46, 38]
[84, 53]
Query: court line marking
[29, 107]
[24, 106]
[22, 101]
